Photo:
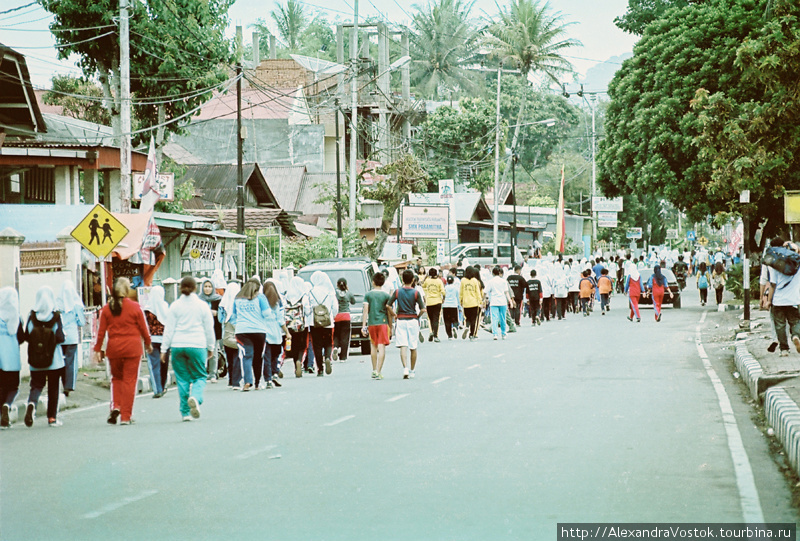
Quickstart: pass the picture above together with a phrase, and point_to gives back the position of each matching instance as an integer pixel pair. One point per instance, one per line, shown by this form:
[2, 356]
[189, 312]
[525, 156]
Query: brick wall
[283, 74]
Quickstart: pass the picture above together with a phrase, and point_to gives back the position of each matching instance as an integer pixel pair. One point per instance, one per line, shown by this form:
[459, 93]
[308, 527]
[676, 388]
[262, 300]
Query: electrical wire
[61, 29]
[61, 46]
[18, 8]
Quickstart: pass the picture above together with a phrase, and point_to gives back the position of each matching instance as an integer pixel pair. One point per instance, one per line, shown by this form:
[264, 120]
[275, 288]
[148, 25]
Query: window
[14, 183]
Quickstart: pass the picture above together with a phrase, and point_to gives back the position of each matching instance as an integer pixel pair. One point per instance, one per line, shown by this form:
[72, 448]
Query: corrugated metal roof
[215, 186]
[285, 183]
[314, 186]
[255, 219]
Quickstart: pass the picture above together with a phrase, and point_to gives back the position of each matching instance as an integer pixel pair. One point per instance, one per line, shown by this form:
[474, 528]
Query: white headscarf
[218, 279]
[227, 299]
[9, 309]
[156, 304]
[322, 285]
[633, 272]
[45, 303]
[296, 290]
[69, 300]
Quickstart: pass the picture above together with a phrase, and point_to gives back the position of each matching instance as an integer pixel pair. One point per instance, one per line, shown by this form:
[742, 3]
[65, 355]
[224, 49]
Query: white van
[481, 254]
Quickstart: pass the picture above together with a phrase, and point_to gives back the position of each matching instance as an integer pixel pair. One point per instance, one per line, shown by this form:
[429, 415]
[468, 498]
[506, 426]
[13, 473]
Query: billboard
[634, 233]
[425, 222]
[603, 204]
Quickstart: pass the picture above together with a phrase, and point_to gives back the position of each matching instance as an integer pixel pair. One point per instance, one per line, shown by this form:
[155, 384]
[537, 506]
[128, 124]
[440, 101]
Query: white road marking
[499, 355]
[342, 420]
[440, 380]
[87, 408]
[473, 366]
[109, 507]
[748, 493]
[254, 452]
[398, 397]
[540, 339]
[520, 347]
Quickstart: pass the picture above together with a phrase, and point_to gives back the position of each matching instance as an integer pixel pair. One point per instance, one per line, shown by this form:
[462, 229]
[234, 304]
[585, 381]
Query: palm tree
[292, 22]
[445, 38]
[528, 37]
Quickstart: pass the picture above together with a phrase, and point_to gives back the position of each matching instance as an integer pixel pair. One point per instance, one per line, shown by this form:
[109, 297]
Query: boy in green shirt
[377, 318]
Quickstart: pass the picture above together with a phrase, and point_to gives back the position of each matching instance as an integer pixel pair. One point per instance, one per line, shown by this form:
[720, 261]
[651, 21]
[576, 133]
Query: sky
[25, 30]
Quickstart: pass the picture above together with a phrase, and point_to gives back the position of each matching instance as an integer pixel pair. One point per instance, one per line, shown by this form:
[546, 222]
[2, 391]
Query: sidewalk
[773, 381]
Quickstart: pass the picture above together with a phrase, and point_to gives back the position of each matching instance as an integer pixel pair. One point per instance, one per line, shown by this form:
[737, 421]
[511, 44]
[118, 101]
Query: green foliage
[650, 128]
[184, 192]
[735, 282]
[298, 252]
[752, 141]
[79, 97]
[298, 32]
[570, 247]
[445, 39]
[643, 12]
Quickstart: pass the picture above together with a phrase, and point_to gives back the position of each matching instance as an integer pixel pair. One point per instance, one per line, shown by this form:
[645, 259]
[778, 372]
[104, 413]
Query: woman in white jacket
[322, 294]
[189, 337]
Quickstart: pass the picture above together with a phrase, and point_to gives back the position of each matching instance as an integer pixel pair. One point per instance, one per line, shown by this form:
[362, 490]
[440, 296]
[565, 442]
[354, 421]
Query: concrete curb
[748, 367]
[784, 416]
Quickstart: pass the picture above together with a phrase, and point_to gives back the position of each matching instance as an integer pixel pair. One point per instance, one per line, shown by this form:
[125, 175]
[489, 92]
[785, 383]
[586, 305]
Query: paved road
[589, 419]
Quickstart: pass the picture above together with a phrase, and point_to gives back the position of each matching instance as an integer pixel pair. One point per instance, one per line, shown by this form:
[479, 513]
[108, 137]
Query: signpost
[425, 222]
[702, 241]
[634, 233]
[603, 204]
[165, 182]
[607, 219]
[672, 234]
[691, 236]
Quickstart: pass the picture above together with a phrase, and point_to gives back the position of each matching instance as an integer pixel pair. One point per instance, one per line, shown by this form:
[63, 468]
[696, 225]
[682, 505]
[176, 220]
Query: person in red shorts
[377, 320]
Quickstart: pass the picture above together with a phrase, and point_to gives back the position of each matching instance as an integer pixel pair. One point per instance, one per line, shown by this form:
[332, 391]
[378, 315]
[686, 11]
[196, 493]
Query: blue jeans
[154, 360]
[70, 376]
[499, 319]
[272, 354]
[189, 365]
[234, 359]
[253, 344]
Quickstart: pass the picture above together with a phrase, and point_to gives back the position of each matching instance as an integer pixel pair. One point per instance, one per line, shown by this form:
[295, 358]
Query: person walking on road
[471, 295]
[249, 312]
[71, 308]
[45, 332]
[276, 329]
[124, 321]
[377, 323]
[341, 323]
[12, 334]
[208, 294]
[434, 296]
[703, 282]
[324, 308]
[560, 290]
[517, 284]
[190, 339]
[656, 286]
[586, 291]
[633, 289]
[718, 280]
[155, 313]
[783, 300]
[605, 286]
[534, 292]
[297, 306]
[499, 300]
[450, 307]
[408, 299]
[233, 356]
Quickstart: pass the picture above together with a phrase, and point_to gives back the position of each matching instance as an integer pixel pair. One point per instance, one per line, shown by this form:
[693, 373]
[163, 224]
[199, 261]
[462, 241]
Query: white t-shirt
[787, 288]
[496, 290]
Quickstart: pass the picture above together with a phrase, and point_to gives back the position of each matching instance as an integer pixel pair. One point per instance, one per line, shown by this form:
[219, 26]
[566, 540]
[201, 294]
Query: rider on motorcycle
[680, 269]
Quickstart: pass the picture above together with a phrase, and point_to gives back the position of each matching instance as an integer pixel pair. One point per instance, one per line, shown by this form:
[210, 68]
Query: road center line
[254, 452]
[748, 493]
[440, 380]
[398, 397]
[109, 507]
[342, 420]
[473, 366]
[499, 355]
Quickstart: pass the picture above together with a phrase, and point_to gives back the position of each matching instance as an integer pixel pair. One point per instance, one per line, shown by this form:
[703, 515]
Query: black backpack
[783, 260]
[42, 341]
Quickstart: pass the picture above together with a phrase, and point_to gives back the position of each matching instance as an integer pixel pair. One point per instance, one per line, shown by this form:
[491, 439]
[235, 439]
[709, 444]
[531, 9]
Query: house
[215, 186]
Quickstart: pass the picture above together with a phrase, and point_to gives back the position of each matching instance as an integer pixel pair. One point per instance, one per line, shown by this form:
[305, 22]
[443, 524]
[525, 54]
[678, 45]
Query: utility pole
[239, 152]
[354, 114]
[125, 107]
[514, 192]
[339, 243]
[496, 167]
[594, 171]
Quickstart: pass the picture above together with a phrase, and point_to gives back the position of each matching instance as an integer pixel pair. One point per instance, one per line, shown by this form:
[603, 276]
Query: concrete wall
[269, 142]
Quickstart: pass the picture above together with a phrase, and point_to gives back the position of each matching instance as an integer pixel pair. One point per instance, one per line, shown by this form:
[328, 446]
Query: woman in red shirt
[125, 324]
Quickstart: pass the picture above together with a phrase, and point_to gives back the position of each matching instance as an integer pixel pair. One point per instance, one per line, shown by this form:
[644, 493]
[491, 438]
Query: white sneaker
[411, 374]
[194, 407]
[187, 418]
[405, 373]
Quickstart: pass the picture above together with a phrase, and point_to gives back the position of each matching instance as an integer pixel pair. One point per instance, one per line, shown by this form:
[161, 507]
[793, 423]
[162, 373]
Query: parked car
[358, 272]
[481, 254]
[672, 283]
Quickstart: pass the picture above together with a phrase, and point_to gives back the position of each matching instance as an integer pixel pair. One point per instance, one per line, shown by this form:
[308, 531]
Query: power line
[18, 8]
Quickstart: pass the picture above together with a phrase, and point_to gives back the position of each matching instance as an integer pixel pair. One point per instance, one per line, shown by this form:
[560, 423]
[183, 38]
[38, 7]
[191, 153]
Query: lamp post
[744, 198]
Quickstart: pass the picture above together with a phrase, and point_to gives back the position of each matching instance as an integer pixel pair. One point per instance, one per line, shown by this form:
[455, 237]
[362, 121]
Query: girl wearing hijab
[276, 329]
[155, 313]
[250, 309]
[189, 337]
[233, 356]
[545, 277]
[633, 289]
[219, 281]
[703, 282]
[718, 279]
[45, 316]
[297, 306]
[12, 334]
[124, 321]
[341, 324]
[71, 308]
[322, 294]
[656, 285]
[209, 295]
[560, 291]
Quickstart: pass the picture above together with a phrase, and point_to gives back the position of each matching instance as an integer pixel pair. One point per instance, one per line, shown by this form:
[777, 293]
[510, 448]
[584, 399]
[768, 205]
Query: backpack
[783, 260]
[295, 319]
[702, 282]
[322, 316]
[42, 342]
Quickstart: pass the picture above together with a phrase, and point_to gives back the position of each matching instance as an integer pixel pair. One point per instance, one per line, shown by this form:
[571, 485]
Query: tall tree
[754, 144]
[79, 98]
[643, 12]
[292, 22]
[649, 145]
[445, 38]
[528, 37]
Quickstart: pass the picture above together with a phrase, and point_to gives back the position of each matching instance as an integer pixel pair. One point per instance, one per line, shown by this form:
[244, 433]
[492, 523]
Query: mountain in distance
[599, 76]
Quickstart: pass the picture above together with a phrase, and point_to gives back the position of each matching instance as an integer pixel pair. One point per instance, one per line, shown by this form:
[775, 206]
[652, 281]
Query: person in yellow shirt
[471, 296]
[434, 296]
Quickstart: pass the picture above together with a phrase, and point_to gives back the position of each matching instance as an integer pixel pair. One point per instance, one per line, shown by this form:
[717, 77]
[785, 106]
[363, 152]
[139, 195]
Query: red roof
[256, 104]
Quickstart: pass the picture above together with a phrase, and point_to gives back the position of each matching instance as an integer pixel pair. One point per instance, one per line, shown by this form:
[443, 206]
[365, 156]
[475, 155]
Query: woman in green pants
[189, 337]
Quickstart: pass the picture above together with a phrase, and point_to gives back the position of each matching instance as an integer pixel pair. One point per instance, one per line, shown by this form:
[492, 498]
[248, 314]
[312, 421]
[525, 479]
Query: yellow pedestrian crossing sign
[99, 232]
[702, 241]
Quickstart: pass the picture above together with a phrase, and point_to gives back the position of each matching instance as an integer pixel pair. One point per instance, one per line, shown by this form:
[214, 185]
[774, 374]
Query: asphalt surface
[592, 419]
